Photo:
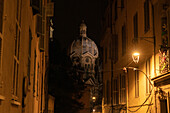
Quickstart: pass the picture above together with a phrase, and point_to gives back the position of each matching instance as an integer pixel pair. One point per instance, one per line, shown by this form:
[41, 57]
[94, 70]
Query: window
[115, 92]
[148, 85]
[39, 25]
[35, 60]
[122, 4]
[84, 45]
[108, 94]
[38, 80]
[123, 40]
[135, 23]
[115, 42]
[85, 66]
[1, 27]
[35, 6]
[91, 66]
[105, 55]
[168, 25]
[17, 48]
[110, 49]
[29, 55]
[163, 106]
[136, 83]
[1, 14]
[146, 16]
[88, 66]
[104, 92]
[115, 10]
[0, 50]
[122, 89]
[108, 20]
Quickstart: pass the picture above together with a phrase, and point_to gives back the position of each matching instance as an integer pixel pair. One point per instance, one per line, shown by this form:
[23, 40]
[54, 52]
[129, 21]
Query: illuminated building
[83, 53]
[24, 55]
[129, 26]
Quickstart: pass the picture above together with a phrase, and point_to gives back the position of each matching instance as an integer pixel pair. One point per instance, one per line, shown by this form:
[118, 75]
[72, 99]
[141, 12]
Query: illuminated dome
[83, 53]
[83, 44]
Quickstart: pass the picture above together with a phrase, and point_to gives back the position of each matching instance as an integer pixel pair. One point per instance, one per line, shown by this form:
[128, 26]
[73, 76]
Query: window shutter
[35, 6]
[0, 51]
[50, 9]
[168, 25]
[41, 43]
[39, 25]
[1, 14]
[115, 48]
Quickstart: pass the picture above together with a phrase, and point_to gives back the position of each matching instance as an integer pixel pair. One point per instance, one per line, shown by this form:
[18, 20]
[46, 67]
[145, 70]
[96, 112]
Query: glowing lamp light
[94, 110]
[94, 98]
[135, 57]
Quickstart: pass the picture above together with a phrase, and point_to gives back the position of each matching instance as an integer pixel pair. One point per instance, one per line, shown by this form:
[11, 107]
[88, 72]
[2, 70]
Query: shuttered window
[123, 40]
[1, 27]
[122, 89]
[146, 16]
[115, 17]
[36, 6]
[17, 48]
[136, 83]
[115, 91]
[148, 85]
[135, 23]
[1, 14]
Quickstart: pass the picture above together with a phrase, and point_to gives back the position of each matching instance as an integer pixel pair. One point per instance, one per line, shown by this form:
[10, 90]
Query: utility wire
[142, 103]
[150, 91]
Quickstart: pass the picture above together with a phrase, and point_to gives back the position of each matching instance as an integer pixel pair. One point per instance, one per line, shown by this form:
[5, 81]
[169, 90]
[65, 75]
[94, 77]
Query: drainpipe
[127, 85]
[111, 56]
[154, 40]
[112, 85]
[127, 77]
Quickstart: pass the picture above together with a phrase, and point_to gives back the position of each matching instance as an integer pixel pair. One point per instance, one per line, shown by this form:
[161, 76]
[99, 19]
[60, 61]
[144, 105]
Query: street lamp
[135, 57]
[94, 98]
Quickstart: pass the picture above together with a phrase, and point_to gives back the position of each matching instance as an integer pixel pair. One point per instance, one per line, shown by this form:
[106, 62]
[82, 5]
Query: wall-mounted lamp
[135, 57]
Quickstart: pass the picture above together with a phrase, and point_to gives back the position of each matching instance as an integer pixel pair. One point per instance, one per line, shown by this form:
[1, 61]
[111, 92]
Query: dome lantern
[83, 29]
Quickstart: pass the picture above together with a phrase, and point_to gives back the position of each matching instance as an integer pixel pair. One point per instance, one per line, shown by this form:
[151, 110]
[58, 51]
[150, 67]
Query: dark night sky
[68, 15]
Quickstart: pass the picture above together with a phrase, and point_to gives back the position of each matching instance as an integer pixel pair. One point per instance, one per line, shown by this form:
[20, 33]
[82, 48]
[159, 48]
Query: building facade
[130, 26]
[24, 55]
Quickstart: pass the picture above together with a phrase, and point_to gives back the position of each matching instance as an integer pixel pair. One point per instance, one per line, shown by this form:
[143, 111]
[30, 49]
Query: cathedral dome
[83, 45]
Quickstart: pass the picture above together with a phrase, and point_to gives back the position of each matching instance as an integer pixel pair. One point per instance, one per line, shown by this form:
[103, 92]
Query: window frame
[115, 92]
[124, 40]
[135, 27]
[1, 16]
[136, 83]
[122, 88]
[146, 16]
[16, 62]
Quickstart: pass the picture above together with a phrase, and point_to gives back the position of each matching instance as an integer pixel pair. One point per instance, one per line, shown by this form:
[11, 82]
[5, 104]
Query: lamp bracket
[145, 38]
